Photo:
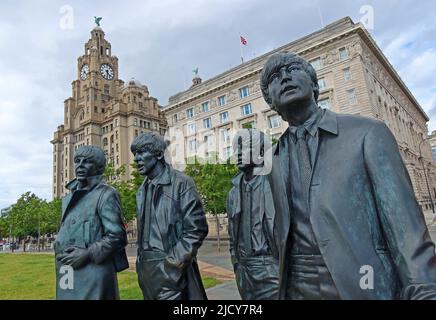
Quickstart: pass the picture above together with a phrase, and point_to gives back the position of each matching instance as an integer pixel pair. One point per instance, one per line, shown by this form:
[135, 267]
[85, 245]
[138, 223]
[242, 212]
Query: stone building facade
[354, 77]
[102, 111]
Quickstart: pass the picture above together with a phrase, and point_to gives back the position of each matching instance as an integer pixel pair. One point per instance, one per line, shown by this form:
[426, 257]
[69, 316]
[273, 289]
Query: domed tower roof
[97, 29]
[135, 83]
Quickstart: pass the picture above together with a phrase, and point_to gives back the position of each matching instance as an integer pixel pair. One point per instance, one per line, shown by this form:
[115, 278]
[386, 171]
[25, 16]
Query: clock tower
[102, 111]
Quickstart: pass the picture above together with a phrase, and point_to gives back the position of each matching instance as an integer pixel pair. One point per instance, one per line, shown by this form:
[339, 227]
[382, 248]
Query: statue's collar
[91, 183]
[238, 180]
[328, 123]
[163, 178]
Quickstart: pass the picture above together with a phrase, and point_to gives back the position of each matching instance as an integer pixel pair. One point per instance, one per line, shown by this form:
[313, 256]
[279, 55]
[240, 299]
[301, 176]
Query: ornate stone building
[102, 111]
[354, 77]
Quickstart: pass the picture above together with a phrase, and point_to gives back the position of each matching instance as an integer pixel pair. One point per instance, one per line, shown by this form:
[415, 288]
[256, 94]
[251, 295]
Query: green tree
[213, 182]
[126, 189]
[4, 227]
[25, 216]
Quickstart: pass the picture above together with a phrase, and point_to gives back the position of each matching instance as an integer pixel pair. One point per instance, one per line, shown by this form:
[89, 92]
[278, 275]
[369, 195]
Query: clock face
[84, 72]
[106, 71]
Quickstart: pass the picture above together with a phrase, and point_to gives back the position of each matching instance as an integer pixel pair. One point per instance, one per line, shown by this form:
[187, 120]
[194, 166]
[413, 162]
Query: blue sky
[159, 43]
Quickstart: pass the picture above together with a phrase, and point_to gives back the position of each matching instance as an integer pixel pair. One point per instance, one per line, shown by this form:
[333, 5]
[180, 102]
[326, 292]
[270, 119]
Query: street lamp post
[425, 174]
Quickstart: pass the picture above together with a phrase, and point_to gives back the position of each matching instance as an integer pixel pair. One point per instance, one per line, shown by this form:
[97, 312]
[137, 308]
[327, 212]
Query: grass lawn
[32, 277]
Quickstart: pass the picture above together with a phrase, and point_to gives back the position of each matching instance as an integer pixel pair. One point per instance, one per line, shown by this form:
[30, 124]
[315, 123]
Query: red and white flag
[243, 41]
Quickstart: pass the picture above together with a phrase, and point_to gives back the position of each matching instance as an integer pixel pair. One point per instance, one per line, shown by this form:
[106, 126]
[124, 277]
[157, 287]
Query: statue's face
[85, 167]
[145, 161]
[287, 86]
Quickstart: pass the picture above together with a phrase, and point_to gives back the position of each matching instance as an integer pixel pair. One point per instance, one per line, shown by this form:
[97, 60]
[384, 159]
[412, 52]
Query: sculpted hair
[278, 60]
[93, 152]
[150, 141]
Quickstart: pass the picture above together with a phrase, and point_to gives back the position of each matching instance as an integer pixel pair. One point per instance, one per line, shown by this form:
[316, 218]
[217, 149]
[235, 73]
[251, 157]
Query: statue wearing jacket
[171, 226]
[92, 238]
[348, 225]
[251, 214]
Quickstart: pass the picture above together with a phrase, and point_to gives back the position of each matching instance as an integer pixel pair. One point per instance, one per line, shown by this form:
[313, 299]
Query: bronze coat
[183, 227]
[92, 218]
[363, 212]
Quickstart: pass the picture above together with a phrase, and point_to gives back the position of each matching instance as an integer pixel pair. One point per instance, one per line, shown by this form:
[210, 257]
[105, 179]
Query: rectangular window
[244, 92]
[190, 113]
[325, 104]
[135, 121]
[274, 121]
[192, 146]
[246, 109]
[205, 106]
[347, 74]
[224, 117]
[316, 63]
[343, 54]
[207, 123]
[175, 118]
[352, 95]
[222, 101]
[226, 135]
[191, 128]
[208, 140]
[249, 125]
[321, 84]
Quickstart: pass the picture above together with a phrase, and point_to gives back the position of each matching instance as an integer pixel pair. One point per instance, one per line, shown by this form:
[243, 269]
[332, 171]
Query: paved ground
[213, 262]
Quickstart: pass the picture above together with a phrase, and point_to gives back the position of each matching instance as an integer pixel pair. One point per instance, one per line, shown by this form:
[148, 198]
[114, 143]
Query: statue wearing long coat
[92, 219]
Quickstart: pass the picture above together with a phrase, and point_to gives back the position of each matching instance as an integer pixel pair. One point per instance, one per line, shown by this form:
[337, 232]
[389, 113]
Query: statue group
[334, 218]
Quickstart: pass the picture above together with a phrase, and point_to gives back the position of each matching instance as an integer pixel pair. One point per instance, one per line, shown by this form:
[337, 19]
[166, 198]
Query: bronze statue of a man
[348, 225]
[90, 245]
[250, 210]
[171, 226]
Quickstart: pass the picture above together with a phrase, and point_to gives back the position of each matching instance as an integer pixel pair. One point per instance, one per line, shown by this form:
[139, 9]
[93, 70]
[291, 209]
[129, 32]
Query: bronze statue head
[287, 82]
[88, 161]
[149, 149]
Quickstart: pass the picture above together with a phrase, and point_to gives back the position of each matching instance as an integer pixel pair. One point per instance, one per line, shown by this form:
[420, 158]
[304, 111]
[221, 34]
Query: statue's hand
[74, 256]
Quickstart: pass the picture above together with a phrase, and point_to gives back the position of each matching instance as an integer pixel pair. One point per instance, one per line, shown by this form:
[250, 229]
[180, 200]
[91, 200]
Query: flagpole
[240, 47]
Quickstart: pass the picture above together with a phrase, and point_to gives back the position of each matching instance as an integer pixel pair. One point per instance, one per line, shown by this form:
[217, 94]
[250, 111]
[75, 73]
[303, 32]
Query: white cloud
[158, 43]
